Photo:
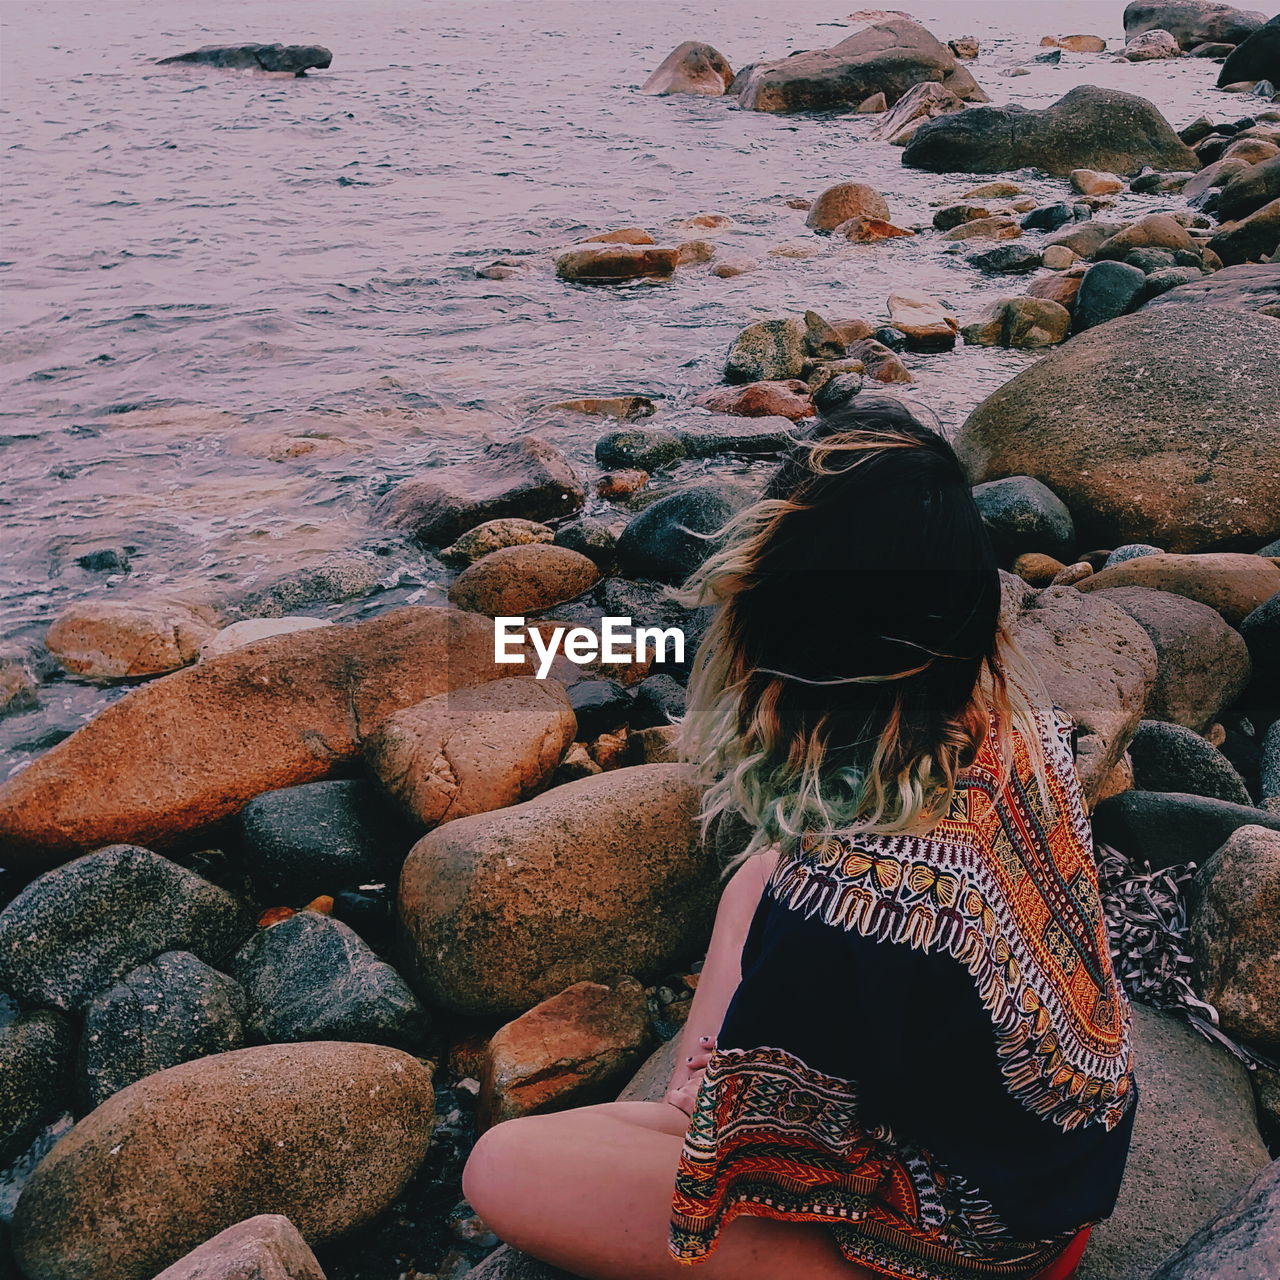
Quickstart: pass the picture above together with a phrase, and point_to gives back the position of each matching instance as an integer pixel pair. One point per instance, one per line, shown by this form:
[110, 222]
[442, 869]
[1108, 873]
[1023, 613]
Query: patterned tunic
[928, 1050]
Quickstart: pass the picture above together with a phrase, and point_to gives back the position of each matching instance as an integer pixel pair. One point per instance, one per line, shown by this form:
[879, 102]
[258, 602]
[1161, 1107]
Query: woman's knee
[492, 1176]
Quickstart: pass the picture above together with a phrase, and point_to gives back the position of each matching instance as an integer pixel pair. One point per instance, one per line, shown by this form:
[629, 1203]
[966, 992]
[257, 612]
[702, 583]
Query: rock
[993, 191]
[665, 543]
[1251, 239]
[888, 57]
[650, 448]
[160, 1014]
[1252, 151]
[310, 977]
[1062, 287]
[1269, 769]
[526, 478]
[1082, 44]
[596, 876]
[35, 1075]
[1165, 828]
[1151, 45]
[1247, 190]
[1203, 665]
[326, 1134]
[345, 575]
[1096, 662]
[691, 67]
[1241, 1241]
[610, 264]
[869, 231]
[1156, 230]
[494, 535]
[622, 235]
[659, 701]
[1249, 287]
[571, 1050]
[473, 750]
[1131, 463]
[295, 58]
[844, 201]
[1191, 22]
[923, 321]
[836, 383]
[768, 350]
[996, 227]
[924, 101]
[737, 435]
[964, 47]
[880, 362]
[113, 640]
[727, 268]
[1006, 259]
[693, 252]
[1159, 282]
[789, 399]
[1151, 260]
[1257, 57]
[1022, 515]
[1171, 757]
[1088, 128]
[18, 683]
[520, 580]
[250, 630]
[952, 215]
[1233, 583]
[1108, 290]
[1234, 934]
[1083, 238]
[599, 706]
[628, 408]
[318, 837]
[1049, 217]
[81, 927]
[1153, 182]
[1195, 1145]
[1130, 551]
[184, 752]
[1261, 631]
[873, 105]
[267, 1247]
[1052, 58]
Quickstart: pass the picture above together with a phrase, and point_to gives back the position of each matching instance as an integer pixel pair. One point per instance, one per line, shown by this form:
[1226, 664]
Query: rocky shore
[310, 904]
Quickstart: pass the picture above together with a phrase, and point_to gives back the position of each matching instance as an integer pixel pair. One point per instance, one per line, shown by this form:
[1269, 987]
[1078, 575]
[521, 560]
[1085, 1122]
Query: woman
[907, 1055]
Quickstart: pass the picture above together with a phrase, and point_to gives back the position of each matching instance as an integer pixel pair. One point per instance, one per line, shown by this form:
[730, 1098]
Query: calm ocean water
[280, 274]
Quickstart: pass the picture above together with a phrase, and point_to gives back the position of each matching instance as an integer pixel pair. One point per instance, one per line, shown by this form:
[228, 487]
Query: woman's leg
[590, 1191]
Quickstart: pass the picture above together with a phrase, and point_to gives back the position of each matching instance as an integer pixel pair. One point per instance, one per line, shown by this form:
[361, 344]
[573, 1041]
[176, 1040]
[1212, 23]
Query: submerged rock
[844, 201]
[691, 67]
[295, 58]
[609, 264]
[1088, 128]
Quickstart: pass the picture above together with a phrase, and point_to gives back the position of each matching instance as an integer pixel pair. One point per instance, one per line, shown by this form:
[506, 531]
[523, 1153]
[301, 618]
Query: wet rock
[1195, 1145]
[250, 630]
[924, 101]
[1252, 239]
[789, 399]
[727, 268]
[1050, 217]
[615, 486]
[520, 580]
[622, 235]
[347, 575]
[728, 435]
[325, 1134]
[116, 640]
[160, 1014]
[691, 67]
[1249, 287]
[694, 252]
[494, 535]
[1151, 45]
[311, 977]
[610, 264]
[1021, 515]
[607, 873]
[888, 57]
[649, 448]
[1088, 128]
[1191, 22]
[1168, 827]
[666, 541]
[18, 683]
[881, 363]
[1155, 231]
[1257, 57]
[769, 350]
[1130, 463]
[1240, 1241]
[1006, 259]
[923, 321]
[318, 837]
[952, 215]
[844, 201]
[526, 478]
[295, 58]
[267, 1247]
[869, 231]
[1108, 290]
[35, 1077]
[571, 1050]
[471, 751]
[833, 386]
[995, 227]
[81, 927]
[1233, 583]
[1171, 757]
[628, 408]
[1203, 665]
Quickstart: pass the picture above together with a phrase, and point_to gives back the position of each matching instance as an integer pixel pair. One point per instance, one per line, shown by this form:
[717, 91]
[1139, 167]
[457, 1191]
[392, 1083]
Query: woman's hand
[685, 1094]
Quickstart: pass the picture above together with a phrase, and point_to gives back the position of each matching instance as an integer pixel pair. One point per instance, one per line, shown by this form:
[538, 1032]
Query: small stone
[1057, 257]
[1051, 58]
[996, 227]
[844, 201]
[1073, 574]
[882, 364]
[616, 485]
[964, 46]
[628, 408]
[649, 448]
[1083, 44]
[1006, 259]
[1049, 217]
[623, 235]
[1110, 289]
[869, 230]
[1131, 551]
[693, 252]
[610, 750]
[923, 321]
[787, 399]
[492, 536]
[109, 640]
[599, 705]
[1037, 569]
[706, 222]
[730, 267]
[577, 763]
[998, 190]
[1091, 182]
[953, 215]
[519, 580]
[659, 700]
[1151, 45]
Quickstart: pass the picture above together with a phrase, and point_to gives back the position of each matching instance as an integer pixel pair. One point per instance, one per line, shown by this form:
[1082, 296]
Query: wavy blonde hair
[794, 750]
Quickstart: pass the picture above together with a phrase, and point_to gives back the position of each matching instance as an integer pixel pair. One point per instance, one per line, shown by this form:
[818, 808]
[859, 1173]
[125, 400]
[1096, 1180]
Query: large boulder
[1195, 1145]
[81, 927]
[267, 1247]
[1088, 128]
[1232, 582]
[1096, 663]
[691, 67]
[1249, 190]
[1160, 427]
[1192, 22]
[35, 1077]
[192, 748]
[1171, 757]
[887, 57]
[473, 751]
[1254, 238]
[526, 478]
[670, 538]
[1248, 287]
[325, 1134]
[592, 878]
[1165, 828]
[1256, 58]
[296, 59]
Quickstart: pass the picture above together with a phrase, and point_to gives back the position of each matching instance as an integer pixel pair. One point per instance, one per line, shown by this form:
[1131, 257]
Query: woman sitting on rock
[908, 1054]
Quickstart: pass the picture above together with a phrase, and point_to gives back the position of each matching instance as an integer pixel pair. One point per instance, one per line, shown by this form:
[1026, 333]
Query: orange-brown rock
[1233, 583]
[1061, 287]
[610, 750]
[472, 750]
[691, 67]
[844, 201]
[116, 640]
[881, 363]
[576, 1048]
[787, 398]
[1037, 568]
[851, 331]
[868, 230]
[520, 580]
[629, 408]
[492, 536]
[607, 264]
[996, 227]
[190, 749]
[621, 484]
[623, 235]
[706, 222]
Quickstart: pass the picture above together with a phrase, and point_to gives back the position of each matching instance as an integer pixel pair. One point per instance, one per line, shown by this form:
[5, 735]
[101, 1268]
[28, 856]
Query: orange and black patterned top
[929, 1050]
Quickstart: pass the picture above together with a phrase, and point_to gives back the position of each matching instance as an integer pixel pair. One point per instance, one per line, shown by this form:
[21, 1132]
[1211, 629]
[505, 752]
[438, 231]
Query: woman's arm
[720, 975]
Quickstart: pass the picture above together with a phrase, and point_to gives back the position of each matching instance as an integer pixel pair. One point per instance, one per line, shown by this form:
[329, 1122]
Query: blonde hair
[772, 753]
